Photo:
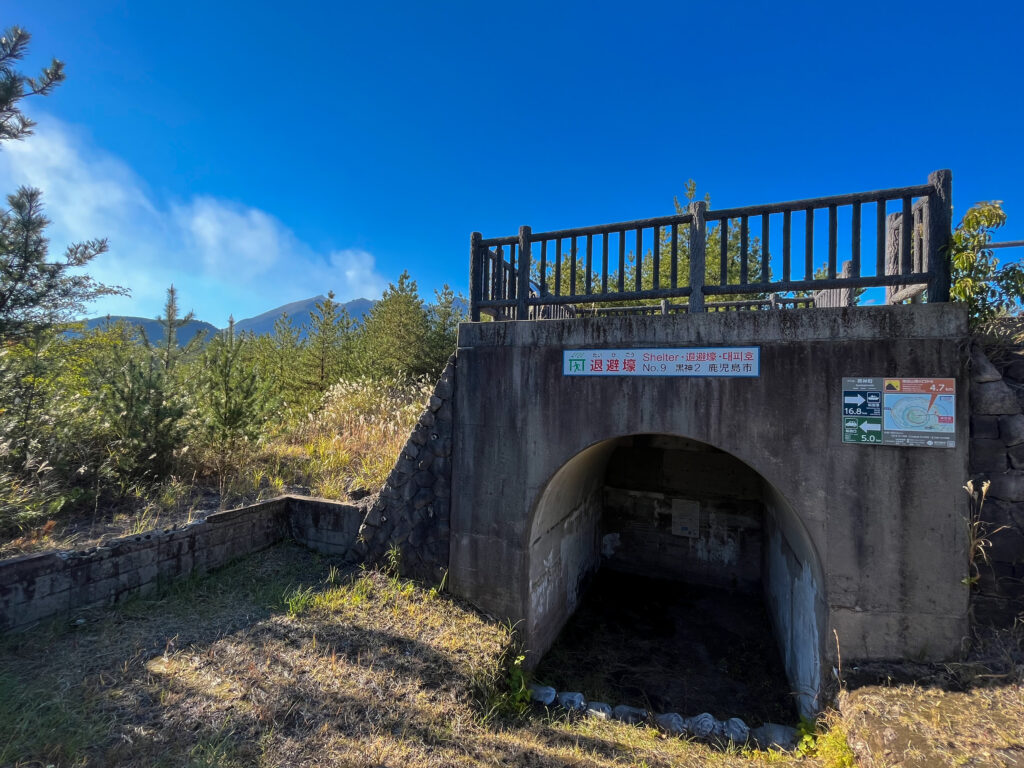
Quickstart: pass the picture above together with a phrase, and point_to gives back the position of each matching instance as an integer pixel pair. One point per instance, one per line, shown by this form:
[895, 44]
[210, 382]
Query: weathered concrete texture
[649, 477]
[883, 526]
[794, 593]
[997, 455]
[52, 584]
[412, 511]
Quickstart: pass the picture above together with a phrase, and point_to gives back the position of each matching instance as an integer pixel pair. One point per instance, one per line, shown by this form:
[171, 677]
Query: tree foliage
[327, 351]
[988, 289]
[393, 340]
[712, 263]
[14, 86]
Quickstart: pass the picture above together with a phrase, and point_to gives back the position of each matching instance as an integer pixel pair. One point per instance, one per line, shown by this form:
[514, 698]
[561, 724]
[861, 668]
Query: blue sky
[257, 153]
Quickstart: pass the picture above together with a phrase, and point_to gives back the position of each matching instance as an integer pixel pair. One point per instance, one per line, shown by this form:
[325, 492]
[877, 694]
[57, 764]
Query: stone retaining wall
[412, 510]
[52, 584]
[997, 454]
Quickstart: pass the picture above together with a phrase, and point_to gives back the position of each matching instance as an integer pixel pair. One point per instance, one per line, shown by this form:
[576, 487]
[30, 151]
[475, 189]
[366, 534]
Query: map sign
[692, 361]
[910, 412]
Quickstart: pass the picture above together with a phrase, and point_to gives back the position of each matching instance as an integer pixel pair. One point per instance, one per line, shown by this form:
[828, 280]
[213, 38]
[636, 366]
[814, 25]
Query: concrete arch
[564, 548]
[884, 524]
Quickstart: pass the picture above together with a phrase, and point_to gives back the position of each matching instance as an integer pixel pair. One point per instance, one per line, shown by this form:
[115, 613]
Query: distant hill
[299, 312]
[153, 330]
[260, 325]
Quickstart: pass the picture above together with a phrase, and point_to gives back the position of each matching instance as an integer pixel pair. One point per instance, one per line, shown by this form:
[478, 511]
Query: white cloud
[223, 256]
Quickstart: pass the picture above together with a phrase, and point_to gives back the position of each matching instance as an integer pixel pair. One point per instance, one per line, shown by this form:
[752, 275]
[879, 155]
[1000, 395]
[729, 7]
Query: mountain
[299, 312]
[260, 325]
[153, 330]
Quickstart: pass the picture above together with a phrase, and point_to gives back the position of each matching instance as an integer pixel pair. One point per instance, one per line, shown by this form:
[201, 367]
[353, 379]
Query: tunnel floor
[671, 647]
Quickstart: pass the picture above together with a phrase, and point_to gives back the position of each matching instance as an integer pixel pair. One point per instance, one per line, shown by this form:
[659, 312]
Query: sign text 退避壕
[695, 361]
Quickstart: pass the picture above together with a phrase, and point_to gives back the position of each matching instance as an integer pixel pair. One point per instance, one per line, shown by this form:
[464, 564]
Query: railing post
[697, 241]
[940, 234]
[476, 273]
[523, 286]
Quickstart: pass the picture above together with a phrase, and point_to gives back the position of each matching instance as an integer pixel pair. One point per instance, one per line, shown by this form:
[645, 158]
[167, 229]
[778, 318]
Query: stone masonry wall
[412, 510]
[997, 454]
[53, 584]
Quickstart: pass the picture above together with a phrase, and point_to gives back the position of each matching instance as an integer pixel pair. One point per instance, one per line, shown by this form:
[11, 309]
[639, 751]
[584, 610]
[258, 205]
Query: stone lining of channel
[704, 726]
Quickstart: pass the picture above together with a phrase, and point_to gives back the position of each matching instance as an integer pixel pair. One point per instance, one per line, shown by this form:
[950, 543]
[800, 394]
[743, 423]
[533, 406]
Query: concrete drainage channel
[703, 726]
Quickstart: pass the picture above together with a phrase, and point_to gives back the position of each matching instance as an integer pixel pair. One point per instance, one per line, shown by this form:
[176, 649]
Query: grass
[288, 658]
[350, 442]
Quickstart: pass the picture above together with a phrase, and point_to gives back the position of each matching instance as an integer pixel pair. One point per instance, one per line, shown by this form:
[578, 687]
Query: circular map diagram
[919, 413]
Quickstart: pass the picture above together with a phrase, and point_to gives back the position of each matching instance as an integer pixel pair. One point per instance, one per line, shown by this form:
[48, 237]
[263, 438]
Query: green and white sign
[908, 412]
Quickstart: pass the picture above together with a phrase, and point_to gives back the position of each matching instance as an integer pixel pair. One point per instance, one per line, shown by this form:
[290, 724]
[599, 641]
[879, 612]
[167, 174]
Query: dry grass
[283, 659]
[350, 443]
[917, 727]
[969, 713]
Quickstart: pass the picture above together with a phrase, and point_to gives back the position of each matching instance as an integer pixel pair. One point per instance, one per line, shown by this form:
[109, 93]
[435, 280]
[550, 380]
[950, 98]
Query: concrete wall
[794, 593]
[54, 584]
[886, 523]
[650, 474]
[565, 543]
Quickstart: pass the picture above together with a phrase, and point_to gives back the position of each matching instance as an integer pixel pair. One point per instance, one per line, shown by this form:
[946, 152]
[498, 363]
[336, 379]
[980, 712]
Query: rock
[1016, 456]
[982, 370]
[736, 730]
[443, 388]
[630, 715]
[1015, 370]
[425, 461]
[1008, 485]
[987, 455]
[1011, 429]
[418, 437]
[542, 694]
[423, 479]
[670, 722]
[598, 709]
[774, 735]
[435, 403]
[993, 398]
[702, 726]
[427, 419]
[571, 700]
[985, 427]
[423, 497]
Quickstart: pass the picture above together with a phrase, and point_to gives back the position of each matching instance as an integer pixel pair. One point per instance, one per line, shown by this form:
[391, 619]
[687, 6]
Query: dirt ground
[672, 647]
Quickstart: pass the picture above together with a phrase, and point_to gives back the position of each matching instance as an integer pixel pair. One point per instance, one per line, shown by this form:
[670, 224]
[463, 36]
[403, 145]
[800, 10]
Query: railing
[700, 254]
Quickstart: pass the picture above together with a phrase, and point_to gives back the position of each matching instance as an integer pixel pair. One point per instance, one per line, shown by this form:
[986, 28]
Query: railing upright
[938, 233]
[475, 275]
[697, 255]
[912, 250]
[523, 289]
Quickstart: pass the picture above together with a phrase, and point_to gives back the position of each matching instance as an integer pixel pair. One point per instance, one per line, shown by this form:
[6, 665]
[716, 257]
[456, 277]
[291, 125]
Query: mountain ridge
[260, 325]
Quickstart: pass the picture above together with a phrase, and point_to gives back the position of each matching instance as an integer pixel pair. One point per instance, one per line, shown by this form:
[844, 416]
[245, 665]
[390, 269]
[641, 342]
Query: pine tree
[147, 396]
[393, 340]
[231, 401]
[15, 86]
[35, 294]
[327, 350]
[443, 317]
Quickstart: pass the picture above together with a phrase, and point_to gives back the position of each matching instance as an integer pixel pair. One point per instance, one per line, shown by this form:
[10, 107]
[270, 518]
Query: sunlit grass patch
[289, 658]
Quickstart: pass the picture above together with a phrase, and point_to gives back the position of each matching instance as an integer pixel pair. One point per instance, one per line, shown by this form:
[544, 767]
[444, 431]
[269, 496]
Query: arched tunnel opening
[668, 574]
